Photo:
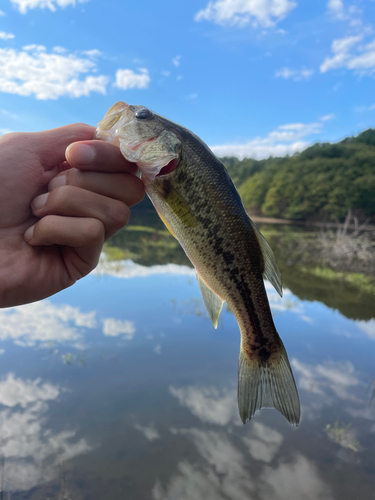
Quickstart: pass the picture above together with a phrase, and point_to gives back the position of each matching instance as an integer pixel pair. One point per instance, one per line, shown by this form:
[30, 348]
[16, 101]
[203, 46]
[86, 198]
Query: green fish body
[197, 200]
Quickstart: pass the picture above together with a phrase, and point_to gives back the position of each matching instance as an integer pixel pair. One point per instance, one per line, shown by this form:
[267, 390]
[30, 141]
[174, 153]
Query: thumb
[51, 144]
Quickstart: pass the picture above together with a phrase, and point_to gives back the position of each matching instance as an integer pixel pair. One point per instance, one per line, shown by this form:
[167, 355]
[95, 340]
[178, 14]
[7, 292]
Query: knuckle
[134, 190]
[59, 197]
[118, 214]
[95, 230]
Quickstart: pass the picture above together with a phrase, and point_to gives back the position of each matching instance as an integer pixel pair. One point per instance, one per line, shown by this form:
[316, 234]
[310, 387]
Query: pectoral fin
[179, 206]
[213, 302]
[166, 224]
[271, 269]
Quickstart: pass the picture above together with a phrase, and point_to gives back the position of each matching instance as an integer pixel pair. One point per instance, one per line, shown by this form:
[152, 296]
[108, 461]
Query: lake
[120, 387]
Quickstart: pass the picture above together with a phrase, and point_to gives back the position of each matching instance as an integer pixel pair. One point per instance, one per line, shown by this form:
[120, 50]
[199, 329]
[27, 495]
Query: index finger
[99, 156]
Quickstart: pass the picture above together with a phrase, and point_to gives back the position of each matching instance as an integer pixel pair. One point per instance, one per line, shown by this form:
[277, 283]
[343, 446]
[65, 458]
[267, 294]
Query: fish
[198, 202]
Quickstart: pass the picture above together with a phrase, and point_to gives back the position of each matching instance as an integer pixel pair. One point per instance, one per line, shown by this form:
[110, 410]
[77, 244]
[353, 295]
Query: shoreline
[292, 222]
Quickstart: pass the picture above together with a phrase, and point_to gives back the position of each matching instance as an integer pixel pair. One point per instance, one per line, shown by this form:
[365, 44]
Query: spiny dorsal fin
[213, 302]
[271, 269]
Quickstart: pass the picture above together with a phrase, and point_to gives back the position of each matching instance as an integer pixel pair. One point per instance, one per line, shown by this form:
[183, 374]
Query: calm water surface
[120, 388]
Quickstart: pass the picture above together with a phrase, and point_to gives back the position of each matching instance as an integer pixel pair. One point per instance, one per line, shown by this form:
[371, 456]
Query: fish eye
[143, 113]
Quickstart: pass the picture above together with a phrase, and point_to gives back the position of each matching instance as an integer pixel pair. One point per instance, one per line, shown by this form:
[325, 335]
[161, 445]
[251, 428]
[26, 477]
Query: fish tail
[267, 384]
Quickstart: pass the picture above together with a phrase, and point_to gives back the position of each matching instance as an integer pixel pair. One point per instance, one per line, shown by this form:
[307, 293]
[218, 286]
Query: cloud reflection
[129, 269]
[337, 377]
[265, 444]
[16, 391]
[226, 474]
[225, 460]
[209, 404]
[149, 432]
[31, 451]
[368, 327]
[114, 327]
[43, 322]
[293, 481]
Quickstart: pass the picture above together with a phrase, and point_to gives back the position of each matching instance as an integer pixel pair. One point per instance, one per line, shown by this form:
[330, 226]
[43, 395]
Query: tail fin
[267, 384]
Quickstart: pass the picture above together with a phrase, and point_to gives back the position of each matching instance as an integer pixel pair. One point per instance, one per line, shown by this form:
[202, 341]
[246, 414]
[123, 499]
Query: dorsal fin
[212, 301]
[271, 269]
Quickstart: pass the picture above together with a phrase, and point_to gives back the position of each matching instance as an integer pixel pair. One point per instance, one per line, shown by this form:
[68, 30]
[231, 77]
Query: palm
[39, 271]
[51, 233]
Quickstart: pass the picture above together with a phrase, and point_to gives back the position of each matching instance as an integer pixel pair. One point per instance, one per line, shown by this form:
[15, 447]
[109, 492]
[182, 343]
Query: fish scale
[200, 205]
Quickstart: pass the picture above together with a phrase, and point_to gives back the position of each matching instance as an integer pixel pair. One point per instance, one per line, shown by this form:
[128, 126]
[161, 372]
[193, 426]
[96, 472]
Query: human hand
[59, 201]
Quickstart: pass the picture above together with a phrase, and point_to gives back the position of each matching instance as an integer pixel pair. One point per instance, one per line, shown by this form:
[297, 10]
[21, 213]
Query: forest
[322, 183]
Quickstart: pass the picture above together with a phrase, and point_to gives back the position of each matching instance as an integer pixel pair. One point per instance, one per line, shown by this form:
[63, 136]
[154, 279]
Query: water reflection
[225, 473]
[44, 322]
[121, 388]
[26, 442]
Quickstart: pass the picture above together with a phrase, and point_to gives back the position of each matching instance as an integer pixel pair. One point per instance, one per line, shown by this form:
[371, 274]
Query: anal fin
[271, 269]
[212, 301]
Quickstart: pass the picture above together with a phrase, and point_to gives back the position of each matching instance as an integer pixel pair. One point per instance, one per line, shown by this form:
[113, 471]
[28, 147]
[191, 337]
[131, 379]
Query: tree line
[321, 183]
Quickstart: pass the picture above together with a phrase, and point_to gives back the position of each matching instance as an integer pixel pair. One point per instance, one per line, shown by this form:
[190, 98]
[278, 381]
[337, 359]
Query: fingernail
[80, 154]
[39, 201]
[56, 182]
[29, 233]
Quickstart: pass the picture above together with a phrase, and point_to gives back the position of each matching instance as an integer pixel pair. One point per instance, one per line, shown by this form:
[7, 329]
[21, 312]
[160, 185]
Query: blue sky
[250, 77]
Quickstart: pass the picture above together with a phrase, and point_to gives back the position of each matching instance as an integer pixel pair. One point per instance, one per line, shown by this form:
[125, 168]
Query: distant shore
[292, 222]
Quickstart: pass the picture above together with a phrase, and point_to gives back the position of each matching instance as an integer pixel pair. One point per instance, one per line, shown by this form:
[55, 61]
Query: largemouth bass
[198, 202]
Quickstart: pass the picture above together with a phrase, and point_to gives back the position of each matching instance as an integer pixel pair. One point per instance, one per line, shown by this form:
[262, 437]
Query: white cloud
[294, 74]
[5, 131]
[32, 71]
[352, 14]
[336, 8]
[9, 114]
[286, 139]
[191, 96]
[6, 36]
[348, 53]
[149, 433]
[128, 79]
[2, 13]
[16, 391]
[176, 60]
[43, 322]
[362, 109]
[114, 327]
[24, 5]
[264, 13]
[327, 118]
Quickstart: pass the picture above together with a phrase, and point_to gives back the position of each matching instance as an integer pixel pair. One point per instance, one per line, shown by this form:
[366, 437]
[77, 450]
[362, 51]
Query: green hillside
[321, 183]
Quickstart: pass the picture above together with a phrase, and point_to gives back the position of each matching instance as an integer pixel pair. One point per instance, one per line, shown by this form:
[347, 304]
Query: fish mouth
[168, 168]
